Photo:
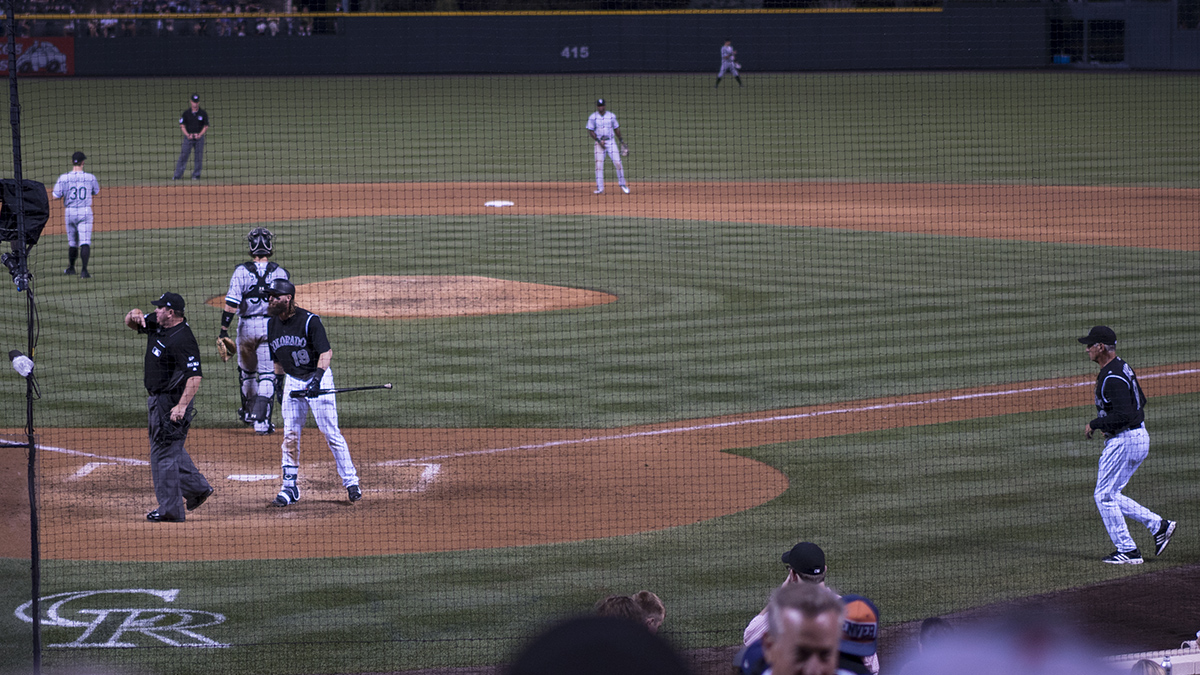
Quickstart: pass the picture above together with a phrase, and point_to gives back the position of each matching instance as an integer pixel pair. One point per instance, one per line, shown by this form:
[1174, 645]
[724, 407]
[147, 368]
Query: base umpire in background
[248, 298]
[172, 379]
[1120, 408]
[193, 122]
[300, 349]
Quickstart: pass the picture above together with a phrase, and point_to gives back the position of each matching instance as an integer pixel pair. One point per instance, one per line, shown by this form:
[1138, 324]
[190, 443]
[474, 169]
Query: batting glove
[314, 385]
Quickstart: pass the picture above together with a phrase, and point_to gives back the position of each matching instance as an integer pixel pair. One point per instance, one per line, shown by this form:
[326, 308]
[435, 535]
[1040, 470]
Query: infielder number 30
[574, 52]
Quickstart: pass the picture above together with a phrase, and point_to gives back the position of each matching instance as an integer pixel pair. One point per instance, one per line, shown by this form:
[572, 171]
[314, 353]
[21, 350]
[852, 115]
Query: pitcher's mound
[425, 297]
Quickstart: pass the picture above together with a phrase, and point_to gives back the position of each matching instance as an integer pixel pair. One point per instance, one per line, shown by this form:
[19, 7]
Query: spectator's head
[860, 626]
[804, 628]
[1147, 667]
[653, 608]
[807, 561]
[933, 629]
[597, 645]
[621, 607]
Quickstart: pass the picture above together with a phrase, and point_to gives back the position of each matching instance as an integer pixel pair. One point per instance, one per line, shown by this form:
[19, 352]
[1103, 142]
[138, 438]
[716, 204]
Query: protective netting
[835, 307]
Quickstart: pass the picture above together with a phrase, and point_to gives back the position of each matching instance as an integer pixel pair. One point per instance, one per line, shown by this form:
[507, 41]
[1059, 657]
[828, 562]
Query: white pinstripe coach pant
[1122, 456]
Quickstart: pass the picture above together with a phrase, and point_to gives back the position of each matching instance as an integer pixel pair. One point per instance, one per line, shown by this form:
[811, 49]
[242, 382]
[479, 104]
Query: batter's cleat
[597, 192]
[156, 517]
[264, 428]
[193, 503]
[69, 270]
[84, 275]
[625, 189]
[1124, 558]
[286, 497]
[1163, 536]
[354, 493]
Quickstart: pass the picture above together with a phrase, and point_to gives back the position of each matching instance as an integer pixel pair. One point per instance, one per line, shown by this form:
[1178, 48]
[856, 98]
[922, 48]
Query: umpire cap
[280, 287]
[169, 299]
[78, 157]
[1099, 334]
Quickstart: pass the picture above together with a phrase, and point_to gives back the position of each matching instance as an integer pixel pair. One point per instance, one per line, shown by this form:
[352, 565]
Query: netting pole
[21, 250]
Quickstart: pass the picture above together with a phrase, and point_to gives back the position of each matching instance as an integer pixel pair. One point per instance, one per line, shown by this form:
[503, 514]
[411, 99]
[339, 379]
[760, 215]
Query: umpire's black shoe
[156, 517]
[69, 270]
[194, 503]
[354, 493]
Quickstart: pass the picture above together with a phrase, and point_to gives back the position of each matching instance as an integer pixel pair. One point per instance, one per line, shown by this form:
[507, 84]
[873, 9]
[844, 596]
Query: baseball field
[834, 307]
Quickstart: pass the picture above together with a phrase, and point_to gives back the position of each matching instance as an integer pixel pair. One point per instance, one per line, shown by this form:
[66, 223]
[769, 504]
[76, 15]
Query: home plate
[498, 203]
[252, 477]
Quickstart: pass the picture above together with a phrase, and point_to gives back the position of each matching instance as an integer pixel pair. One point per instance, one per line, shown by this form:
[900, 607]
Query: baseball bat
[301, 393]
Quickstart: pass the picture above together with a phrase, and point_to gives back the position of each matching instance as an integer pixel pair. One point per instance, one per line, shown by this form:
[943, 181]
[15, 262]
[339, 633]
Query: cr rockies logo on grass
[100, 625]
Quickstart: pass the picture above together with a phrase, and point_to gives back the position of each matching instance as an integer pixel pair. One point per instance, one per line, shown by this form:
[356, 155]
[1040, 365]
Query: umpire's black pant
[185, 149]
[175, 476]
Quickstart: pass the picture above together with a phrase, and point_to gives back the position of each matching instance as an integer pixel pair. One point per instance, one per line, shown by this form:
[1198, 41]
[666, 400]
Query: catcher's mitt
[624, 150]
[225, 347]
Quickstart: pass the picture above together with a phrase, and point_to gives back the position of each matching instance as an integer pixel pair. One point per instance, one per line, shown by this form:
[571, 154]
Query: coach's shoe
[625, 189]
[193, 503]
[69, 270]
[354, 493]
[1124, 558]
[264, 428]
[156, 517]
[1163, 536]
[286, 497]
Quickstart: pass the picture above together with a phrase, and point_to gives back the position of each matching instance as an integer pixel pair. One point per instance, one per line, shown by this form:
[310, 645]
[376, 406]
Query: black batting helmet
[281, 287]
[260, 239]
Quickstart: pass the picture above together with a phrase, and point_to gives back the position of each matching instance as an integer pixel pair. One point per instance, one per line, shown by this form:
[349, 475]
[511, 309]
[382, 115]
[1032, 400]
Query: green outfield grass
[1041, 128]
[712, 318]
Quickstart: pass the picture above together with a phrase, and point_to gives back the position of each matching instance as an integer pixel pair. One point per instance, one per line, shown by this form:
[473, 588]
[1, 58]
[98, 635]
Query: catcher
[247, 297]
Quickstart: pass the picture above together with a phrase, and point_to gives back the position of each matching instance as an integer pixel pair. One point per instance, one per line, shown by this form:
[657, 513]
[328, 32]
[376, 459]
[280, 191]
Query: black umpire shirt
[172, 357]
[194, 122]
[1120, 403]
[296, 343]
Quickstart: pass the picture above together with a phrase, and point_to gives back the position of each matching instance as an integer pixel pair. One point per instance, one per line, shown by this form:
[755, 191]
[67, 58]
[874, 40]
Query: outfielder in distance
[603, 127]
[76, 188]
[300, 350]
[1120, 408]
[248, 297]
[728, 64]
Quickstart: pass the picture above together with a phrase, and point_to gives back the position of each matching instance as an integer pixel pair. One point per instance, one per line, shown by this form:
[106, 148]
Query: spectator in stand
[860, 633]
[596, 644]
[803, 630]
[652, 606]
[1147, 667]
[933, 630]
[621, 607]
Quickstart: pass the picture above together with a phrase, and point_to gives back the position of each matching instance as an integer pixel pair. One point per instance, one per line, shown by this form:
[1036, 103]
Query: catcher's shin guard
[244, 376]
[260, 410]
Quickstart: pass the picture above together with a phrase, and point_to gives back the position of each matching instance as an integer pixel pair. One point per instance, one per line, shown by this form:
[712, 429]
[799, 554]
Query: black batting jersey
[1120, 403]
[296, 343]
[172, 357]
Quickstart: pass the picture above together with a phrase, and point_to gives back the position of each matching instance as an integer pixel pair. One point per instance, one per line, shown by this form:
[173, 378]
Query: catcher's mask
[260, 242]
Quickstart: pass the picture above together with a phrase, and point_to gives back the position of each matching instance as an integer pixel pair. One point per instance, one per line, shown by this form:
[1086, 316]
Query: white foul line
[785, 418]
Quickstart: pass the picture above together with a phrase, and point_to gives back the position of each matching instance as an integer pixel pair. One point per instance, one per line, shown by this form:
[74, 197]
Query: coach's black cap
[169, 299]
[78, 157]
[599, 102]
[1101, 334]
[195, 97]
[806, 558]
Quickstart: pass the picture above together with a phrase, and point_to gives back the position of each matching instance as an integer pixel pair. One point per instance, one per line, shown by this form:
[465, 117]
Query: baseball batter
[729, 64]
[604, 129]
[248, 298]
[1120, 408]
[76, 188]
[301, 352]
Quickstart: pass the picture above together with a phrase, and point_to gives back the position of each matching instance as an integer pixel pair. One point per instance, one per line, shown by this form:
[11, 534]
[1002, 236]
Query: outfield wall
[957, 37]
